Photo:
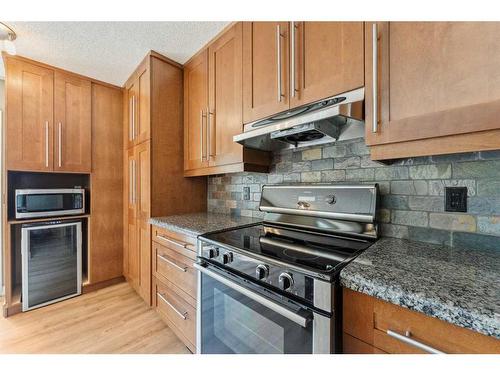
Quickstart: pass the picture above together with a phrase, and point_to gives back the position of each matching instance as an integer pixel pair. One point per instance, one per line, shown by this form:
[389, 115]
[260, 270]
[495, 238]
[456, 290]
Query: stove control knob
[285, 280]
[212, 252]
[261, 272]
[227, 258]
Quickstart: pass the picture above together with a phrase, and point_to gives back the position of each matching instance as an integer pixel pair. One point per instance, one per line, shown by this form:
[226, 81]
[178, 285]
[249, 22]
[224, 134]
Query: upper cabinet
[213, 110]
[289, 64]
[49, 119]
[436, 88]
[30, 116]
[326, 58]
[73, 123]
[195, 112]
[138, 101]
[265, 69]
[224, 117]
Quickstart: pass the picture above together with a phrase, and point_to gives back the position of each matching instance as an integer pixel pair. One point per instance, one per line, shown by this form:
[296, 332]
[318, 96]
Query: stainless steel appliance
[273, 287]
[51, 262]
[339, 117]
[35, 203]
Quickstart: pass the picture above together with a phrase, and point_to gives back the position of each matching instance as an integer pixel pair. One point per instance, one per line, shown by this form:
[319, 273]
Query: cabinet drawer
[177, 242]
[375, 322]
[175, 267]
[179, 314]
[390, 320]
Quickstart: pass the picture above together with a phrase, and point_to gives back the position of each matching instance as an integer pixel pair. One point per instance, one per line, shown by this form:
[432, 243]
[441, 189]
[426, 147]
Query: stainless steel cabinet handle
[278, 61]
[178, 243]
[301, 317]
[183, 316]
[130, 182]
[60, 144]
[130, 120]
[134, 182]
[417, 344]
[133, 117]
[201, 136]
[47, 144]
[165, 259]
[292, 59]
[374, 78]
[209, 135]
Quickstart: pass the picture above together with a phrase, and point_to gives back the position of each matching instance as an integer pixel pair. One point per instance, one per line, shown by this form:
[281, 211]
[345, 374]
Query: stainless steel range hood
[339, 117]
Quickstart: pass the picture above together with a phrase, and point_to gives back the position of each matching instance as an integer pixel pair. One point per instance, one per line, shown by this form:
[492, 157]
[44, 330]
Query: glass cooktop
[320, 252]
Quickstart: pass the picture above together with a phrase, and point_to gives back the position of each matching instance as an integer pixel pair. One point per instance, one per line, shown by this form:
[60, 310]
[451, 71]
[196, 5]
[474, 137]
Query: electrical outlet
[456, 199]
[246, 193]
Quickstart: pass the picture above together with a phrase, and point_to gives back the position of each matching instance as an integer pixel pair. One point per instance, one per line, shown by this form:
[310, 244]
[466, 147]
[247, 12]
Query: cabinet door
[195, 112]
[133, 92]
[265, 69]
[143, 99]
[433, 79]
[142, 152]
[326, 59]
[106, 247]
[29, 100]
[73, 123]
[132, 230]
[225, 98]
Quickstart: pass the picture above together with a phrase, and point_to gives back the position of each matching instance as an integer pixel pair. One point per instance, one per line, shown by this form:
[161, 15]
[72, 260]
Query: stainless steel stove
[273, 287]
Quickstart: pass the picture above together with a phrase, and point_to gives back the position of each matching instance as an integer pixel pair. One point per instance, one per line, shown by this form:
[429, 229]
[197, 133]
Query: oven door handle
[300, 317]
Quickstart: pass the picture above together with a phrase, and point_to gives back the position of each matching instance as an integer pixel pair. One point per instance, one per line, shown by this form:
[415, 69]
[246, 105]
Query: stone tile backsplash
[412, 190]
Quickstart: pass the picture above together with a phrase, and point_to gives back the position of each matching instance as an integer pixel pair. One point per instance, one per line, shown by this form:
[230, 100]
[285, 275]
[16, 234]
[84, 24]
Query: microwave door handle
[298, 318]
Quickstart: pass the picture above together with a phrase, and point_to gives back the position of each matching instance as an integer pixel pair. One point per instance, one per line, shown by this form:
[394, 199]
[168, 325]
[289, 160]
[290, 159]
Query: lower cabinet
[174, 278]
[374, 326]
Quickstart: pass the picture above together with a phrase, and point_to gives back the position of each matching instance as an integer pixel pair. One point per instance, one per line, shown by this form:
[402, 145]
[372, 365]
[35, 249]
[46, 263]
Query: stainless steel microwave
[34, 203]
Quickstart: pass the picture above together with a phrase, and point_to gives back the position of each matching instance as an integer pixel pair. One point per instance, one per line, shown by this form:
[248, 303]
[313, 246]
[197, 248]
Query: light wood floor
[110, 320]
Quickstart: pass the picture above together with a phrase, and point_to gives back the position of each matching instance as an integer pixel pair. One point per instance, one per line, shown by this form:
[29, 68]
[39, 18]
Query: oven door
[238, 316]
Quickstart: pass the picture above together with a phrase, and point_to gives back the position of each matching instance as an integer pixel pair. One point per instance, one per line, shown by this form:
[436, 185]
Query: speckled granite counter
[455, 285]
[199, 223]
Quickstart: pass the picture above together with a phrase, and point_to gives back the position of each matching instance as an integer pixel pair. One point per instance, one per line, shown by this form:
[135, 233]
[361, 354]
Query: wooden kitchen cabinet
[437, 88]
[72, 123]
[155, 184]
[289, 64]
[48, 119]
[327, 58]
[106, 220]
[367, 320]
[265, 69]
[175, 282]
[138, 95]
[195, 112]
[213, 110]
[225, 97]
[29, 116]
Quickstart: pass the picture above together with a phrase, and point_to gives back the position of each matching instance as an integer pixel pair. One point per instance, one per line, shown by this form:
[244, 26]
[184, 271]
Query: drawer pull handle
[183, 316]
[417, 344]
[183, 269]
[178, 243]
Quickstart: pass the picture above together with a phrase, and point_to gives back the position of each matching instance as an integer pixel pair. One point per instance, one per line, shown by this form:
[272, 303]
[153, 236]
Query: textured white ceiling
[109, 51]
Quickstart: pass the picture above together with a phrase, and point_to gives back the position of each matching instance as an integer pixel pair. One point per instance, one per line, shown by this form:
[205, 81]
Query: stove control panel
[265, 271]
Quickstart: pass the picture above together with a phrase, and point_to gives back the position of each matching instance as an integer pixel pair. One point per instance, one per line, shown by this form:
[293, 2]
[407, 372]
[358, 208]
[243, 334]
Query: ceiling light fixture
[7, 37]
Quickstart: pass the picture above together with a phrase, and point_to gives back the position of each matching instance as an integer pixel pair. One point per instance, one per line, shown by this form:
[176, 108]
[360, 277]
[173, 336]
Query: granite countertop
[200, 223]
[459, 286]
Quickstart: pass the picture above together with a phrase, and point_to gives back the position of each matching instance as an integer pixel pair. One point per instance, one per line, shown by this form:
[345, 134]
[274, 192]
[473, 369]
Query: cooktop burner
[315, 251]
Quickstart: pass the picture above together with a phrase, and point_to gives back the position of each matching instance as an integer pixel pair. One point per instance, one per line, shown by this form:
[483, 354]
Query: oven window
[35, 203]
[233, 323]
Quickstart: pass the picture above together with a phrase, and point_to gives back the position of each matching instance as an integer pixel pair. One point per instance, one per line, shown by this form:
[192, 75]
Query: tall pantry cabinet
[154, 183]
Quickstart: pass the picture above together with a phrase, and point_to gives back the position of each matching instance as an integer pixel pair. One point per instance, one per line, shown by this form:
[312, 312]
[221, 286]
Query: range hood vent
[340, 117]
